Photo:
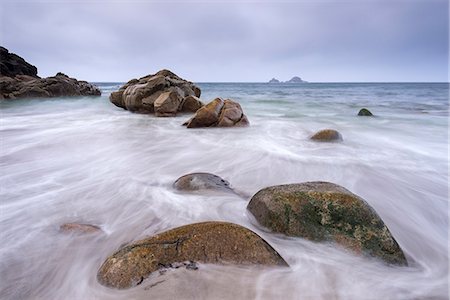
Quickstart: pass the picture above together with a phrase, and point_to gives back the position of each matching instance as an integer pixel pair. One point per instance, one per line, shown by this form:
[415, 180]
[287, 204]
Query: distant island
[294, 79]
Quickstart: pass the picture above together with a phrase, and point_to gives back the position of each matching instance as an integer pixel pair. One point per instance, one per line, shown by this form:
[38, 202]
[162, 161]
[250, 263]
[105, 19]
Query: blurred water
[85, 160]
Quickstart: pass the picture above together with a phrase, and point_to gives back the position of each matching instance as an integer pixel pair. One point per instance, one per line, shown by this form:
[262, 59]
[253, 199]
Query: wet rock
[166, 105]
[79, 228]
[140, 95]
[219, 113]
[12, 65]
[59, 85]
[201, 181]
[327, 135]
[323, 211]
[191, 104]
[207, 242]
[365, 112]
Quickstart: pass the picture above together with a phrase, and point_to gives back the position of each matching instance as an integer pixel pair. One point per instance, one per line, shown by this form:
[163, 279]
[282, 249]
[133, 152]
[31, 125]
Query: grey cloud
[216, 41]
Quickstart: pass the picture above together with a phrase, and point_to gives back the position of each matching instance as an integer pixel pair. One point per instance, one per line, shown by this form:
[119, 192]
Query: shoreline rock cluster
[164, 94]
[317, 211]
[18, 79]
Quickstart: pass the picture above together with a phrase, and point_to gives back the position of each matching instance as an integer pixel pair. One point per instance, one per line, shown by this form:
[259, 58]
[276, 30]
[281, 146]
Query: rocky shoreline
[18, 80]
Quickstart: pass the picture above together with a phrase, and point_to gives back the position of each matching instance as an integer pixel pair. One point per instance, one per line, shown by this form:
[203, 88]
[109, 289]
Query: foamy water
[85, 160]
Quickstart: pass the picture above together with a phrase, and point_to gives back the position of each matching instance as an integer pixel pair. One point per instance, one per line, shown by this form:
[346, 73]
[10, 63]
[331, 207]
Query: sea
[85, 160]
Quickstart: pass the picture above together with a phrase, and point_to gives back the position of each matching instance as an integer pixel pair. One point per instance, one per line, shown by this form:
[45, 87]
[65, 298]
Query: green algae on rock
[364, 112]
[327, 135]
[323, 211]
[207, 242]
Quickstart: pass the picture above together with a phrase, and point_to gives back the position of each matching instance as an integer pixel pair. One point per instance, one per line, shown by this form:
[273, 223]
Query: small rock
[201, 181]
[79, 228]
[323, 211]
[207, 242]
[365, 112]
[327, 135]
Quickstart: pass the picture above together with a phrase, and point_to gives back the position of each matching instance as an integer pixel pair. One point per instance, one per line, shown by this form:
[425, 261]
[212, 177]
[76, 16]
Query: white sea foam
[84, 160]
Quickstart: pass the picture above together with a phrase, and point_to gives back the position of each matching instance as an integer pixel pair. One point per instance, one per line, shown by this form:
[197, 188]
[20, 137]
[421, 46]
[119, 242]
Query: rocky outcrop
[323, 211]
[79, 228]
[19, 80]
[219, 113]
[207, 242]
[327, 135]
[202, 181]
[274, 80]
[12, 65]
[163, 93]
[295, 79]
[60, 85]
[364, 112]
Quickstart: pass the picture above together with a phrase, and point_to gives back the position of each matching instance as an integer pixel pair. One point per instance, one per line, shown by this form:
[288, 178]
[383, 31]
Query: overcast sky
[320, 41]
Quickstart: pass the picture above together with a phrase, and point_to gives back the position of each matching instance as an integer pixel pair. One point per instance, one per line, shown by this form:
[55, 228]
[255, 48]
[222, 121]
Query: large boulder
[219, 113]
[12, 65]
[327, 135]
[201, 181]
[207, 242]
[323, 211]
[140, 95]
[60, 85]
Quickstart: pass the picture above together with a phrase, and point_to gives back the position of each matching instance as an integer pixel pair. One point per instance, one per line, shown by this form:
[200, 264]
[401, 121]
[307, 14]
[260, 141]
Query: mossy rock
[364, 112]
[323, 211]
[327, 135]
[207, 242]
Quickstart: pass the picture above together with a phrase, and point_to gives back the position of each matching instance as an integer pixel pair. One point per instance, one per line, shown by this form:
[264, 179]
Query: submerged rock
[140, 95]
[219, 113]
[79, 228]
[207, 242]
[60, 85]
[327, 135]
[201, 181]
[365, 112]
[323, 211]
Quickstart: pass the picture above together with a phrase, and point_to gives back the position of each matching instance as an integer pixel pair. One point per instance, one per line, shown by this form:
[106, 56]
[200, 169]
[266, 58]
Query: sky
[232, 41]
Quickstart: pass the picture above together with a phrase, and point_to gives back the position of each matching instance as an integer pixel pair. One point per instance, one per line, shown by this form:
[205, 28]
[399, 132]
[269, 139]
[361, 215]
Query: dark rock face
[365, 112]
[208, 242]
[60, 85]
[323, 211]
[12, 65]
[79, 228]
[219, 113]
[202, 181]
[327, 135]
[140, 95]
[274, 80]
